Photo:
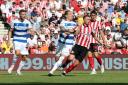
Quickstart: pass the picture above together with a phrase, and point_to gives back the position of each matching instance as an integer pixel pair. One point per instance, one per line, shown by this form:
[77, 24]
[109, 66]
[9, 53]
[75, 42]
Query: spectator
[52, 47]
[35, 23]
[5, 47]
[44, 47]
[53, 18]
[34, 12]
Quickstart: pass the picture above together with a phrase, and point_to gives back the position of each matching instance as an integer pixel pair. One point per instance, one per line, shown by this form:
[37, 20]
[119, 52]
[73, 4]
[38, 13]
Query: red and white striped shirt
[95, 27]
[83, 38]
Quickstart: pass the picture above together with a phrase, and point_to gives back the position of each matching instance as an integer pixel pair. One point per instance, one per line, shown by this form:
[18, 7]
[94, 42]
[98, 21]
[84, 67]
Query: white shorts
[63, 49]
[22, 47]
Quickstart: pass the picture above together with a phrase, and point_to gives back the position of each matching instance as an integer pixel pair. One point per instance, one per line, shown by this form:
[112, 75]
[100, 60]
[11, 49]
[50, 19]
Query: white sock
[13, 62]
[57, 64]
[11, 67]
[93, 69]
[21, 65]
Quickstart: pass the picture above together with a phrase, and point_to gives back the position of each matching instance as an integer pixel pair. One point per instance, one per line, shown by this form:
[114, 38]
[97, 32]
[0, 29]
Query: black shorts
[80, 52]
[93, 47]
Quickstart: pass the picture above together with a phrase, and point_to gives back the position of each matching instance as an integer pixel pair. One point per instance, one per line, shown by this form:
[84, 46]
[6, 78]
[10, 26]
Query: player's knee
[77, 62]
[61, 58]
[59, 63]
[71, 57]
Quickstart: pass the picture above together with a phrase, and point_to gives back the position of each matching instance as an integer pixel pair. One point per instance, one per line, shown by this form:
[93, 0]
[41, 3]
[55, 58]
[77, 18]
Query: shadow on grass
[57, 75]
[7, 74]
[38, 83]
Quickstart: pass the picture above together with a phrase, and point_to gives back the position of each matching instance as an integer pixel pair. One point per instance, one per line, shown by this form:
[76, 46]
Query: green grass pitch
[73, 77]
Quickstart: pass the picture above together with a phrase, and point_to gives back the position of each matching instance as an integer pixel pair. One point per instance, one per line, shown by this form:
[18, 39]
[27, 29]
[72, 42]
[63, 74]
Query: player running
[66, 40]
[96, 29]
[83, 39]
[20, 29]
[80, 49]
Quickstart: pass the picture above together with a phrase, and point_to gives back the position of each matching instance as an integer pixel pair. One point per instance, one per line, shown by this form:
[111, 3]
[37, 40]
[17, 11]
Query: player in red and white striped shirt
[96, 29]
[84, 39]
[80, 49]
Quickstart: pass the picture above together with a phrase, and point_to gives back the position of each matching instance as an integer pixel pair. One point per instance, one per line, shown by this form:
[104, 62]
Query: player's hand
[71, 30]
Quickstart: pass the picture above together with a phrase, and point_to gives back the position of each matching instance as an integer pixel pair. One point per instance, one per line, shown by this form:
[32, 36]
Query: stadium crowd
[46, 15]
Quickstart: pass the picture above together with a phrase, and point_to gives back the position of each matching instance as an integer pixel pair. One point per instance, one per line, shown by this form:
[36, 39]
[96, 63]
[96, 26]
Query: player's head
[93, 15]
[22, 14]
[69, 15]
[86, 19]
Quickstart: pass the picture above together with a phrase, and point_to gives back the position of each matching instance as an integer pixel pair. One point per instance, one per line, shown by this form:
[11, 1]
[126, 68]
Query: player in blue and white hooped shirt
[21, 28]
[66, 40]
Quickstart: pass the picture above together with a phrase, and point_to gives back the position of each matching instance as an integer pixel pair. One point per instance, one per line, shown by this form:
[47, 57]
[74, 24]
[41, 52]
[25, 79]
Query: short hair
[94, 12]
[22, 10]
[21, 2]
[13, 12]
[66, 13]
[13, 3]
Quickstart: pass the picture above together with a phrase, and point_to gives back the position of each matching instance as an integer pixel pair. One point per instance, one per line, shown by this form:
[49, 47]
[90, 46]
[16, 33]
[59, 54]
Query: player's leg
[24, 53]
[68, 60]
[15, 56]
[21, 64]
[79, 53]
[71, 67]
[91, 58]
[56, 65]
[58, 54]
[99, 60]
[64, 53]
[98, 56]
[91, 62]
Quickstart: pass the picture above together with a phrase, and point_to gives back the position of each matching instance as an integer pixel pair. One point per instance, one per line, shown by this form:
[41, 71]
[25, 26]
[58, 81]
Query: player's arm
[96, 38]
[77, 30]
[9, 36]
[30, 29]
[62, 29]
[103, 37]
[10, 31]
[102, 34]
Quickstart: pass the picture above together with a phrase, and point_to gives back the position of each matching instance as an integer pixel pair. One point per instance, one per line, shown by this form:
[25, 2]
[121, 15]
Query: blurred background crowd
[46, 15]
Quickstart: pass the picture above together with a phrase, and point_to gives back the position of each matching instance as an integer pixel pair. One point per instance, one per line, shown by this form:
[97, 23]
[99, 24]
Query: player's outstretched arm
[31, 31]
[77, 30]
[96, 38]
[9, 36]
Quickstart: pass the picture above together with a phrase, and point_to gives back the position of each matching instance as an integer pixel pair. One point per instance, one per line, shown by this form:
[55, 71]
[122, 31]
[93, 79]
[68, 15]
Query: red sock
[91, 62]
[70, 68]
[99, 59]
